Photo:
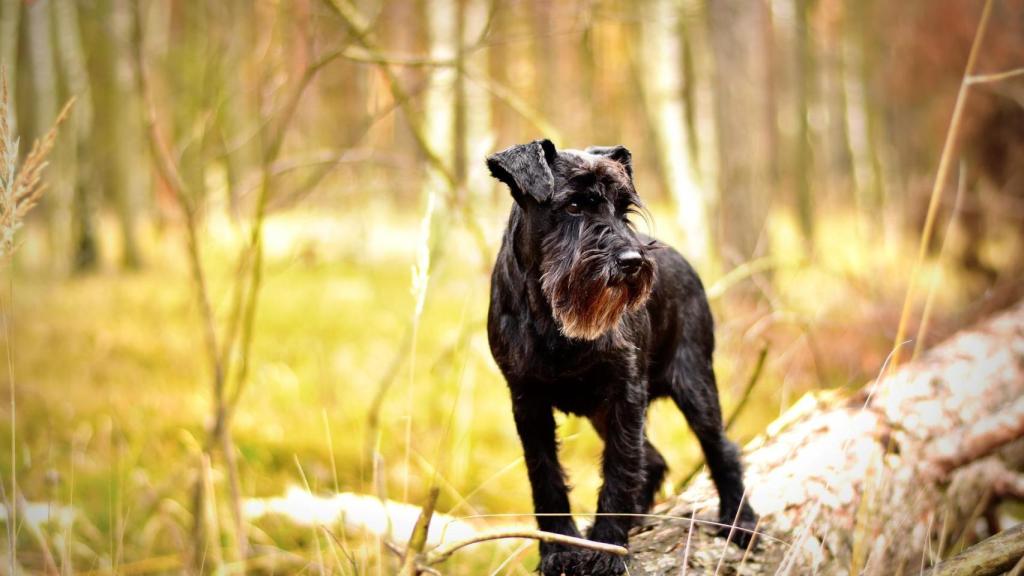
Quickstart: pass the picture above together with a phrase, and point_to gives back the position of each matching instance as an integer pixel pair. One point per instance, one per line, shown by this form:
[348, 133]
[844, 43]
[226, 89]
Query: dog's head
[593, 265]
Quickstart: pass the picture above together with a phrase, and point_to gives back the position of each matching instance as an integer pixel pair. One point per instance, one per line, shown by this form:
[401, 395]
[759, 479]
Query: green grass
[114, 394]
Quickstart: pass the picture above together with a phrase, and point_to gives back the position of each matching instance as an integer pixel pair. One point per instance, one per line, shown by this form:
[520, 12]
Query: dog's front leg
[622, 468]
[535, 423]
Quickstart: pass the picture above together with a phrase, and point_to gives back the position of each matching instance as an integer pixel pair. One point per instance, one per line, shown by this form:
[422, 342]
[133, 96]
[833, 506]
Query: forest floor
[113, 387]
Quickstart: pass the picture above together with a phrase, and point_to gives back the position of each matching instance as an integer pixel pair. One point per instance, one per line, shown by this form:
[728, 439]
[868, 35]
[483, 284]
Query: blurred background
[244, 325]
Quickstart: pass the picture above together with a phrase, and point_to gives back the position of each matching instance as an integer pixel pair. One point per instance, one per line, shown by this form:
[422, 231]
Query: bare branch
[418, 540]
[171, 175]
[442, 553]
[362, 55]
[994, 77]
[520, 106]
[989, 557]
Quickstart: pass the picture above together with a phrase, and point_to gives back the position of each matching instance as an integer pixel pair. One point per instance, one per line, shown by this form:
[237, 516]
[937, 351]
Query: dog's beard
[586, 296]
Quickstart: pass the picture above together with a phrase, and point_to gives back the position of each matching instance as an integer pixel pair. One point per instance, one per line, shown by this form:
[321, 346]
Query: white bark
[661, 56]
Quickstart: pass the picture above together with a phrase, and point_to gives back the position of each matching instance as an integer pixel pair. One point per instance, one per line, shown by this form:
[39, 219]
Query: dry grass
[20, 187]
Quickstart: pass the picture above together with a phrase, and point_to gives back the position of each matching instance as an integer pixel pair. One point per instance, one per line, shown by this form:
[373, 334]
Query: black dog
[592, 318]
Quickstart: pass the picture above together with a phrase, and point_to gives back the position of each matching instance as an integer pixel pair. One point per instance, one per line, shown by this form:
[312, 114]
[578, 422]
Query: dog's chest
[578, 381]
[582, 396]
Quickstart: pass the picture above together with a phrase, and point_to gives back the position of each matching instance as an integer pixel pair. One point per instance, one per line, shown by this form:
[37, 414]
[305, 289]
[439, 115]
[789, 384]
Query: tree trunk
[889, 481]
[113, 137]
[80, 165]
[863, 113]
[655, 60]
[805, 73]
[43, 72]
[688, 84]
[832, 74]
[460, 163]
[739, 80]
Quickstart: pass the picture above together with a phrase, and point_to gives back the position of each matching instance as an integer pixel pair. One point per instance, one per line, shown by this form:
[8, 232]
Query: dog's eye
[574, 208]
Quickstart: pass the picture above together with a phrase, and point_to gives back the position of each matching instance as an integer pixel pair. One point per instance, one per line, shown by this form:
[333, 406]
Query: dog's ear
[618, 153]
[526, 169]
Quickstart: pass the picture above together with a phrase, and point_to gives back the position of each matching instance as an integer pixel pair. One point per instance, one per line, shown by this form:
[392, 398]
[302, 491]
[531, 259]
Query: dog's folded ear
[526, 169]
[618, 153]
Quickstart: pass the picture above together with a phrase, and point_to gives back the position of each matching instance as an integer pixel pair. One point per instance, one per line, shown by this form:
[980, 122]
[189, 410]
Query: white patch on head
[584, 155]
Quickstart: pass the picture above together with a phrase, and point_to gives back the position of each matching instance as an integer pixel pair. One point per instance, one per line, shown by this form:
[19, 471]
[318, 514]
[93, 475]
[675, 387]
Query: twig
[171, 175]
[442, 553]
[989, 557]
[344, 549]
[994, 77]
[362, 55]
[498, 90]
[418, 540]
[739, 273]
[383, 385]
[519, 105]
[271, 151]
[358, 27]
[49, 565]
[940, 180]
[755, 375]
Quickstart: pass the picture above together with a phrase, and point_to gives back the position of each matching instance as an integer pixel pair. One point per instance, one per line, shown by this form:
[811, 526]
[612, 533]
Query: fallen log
[889, 481]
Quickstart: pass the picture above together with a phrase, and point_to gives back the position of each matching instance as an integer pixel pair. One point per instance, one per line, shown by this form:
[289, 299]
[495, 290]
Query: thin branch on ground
[442, 553]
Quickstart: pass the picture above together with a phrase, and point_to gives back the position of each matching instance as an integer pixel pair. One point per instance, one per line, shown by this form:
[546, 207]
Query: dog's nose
[630, 261]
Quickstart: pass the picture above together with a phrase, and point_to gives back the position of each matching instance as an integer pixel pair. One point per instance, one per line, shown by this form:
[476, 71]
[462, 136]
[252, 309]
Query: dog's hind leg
[695, 392]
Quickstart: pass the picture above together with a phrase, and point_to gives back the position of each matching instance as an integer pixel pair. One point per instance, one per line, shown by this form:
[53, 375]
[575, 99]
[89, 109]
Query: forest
[246, 257]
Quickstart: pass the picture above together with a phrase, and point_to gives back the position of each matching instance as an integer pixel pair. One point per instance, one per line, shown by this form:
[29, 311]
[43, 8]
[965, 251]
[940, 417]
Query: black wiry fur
[574, 328]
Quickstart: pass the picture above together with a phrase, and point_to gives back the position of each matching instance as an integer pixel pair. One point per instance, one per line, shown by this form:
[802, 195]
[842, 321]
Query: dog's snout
[630, 261]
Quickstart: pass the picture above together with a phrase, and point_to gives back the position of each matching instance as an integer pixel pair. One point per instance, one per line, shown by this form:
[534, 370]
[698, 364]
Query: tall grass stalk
[21, 187]
[420, 282]
[929, 301]
[940, 178]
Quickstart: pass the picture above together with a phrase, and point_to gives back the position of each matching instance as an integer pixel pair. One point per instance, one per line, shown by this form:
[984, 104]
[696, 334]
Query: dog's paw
[742, 528]
[582, 563]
